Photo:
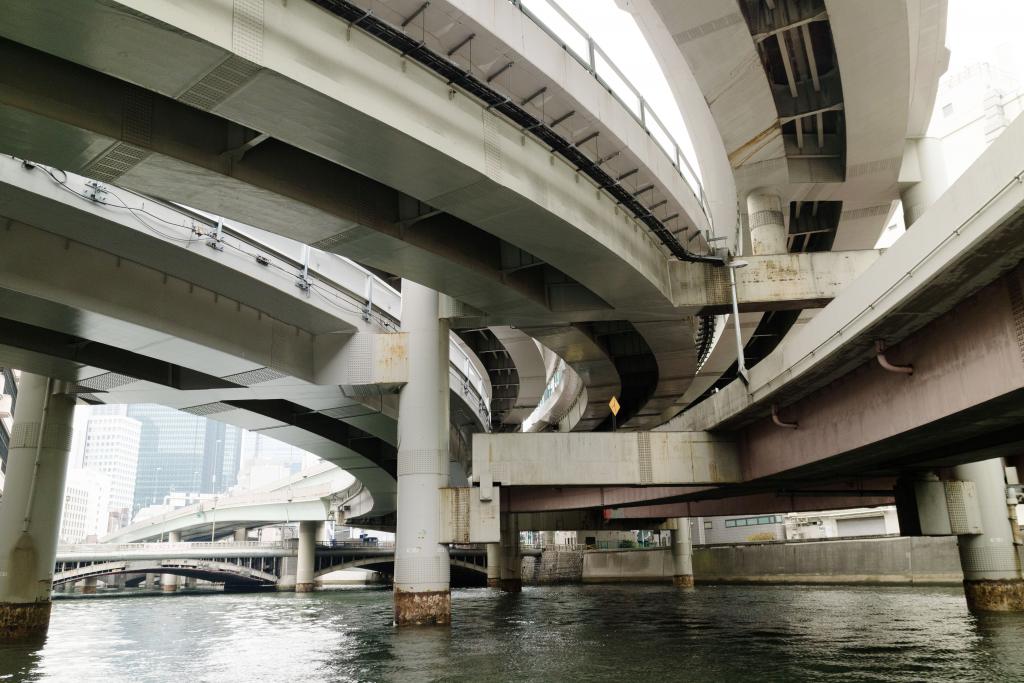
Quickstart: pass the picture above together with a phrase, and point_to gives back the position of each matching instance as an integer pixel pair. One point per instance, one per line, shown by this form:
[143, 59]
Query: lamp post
[741, 363]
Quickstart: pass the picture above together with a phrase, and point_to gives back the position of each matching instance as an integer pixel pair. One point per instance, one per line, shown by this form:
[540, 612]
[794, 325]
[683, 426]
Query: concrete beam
[771, 282]
[604, 459]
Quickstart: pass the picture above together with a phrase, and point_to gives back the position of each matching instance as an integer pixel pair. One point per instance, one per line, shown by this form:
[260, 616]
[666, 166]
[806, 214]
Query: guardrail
[90, 548]
[585, 50]
[339, 281]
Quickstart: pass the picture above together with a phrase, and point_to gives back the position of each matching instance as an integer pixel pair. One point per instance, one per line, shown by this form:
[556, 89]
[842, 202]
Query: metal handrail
[641, 114]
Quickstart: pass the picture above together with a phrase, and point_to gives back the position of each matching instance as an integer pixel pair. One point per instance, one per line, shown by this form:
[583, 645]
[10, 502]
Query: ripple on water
[557, 633]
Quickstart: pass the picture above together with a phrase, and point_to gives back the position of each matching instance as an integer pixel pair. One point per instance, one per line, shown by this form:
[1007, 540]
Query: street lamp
[741, 363]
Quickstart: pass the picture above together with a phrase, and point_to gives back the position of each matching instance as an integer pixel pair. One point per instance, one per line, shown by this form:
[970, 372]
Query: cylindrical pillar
[169, 582]
[682, 554]
[31, 506]
[89, 586]
[422, 571]
[307, 557]
[511, 580]
[767, 225]
[241, 535]
[933, 180]
[993, 579]
[493, 565]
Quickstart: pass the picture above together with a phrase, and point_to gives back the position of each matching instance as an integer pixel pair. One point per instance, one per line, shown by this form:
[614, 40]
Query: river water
[560, 633]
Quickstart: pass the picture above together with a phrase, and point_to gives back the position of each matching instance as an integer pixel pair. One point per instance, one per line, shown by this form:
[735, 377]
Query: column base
[305, 587]
[420, 609]
[995, 596]
[511, 585]
[24, 621]
[683, 581]
[169, 587]
[89, 590]
[493, 583]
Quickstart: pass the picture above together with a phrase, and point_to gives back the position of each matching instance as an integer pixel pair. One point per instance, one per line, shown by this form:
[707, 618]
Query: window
[708, 525]
[750, 521]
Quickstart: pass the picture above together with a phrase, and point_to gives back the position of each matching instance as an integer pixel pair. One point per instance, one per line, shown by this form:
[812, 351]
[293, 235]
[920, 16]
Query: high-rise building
[182, 453]
[112, 448]
[8, 396]
[86, 510]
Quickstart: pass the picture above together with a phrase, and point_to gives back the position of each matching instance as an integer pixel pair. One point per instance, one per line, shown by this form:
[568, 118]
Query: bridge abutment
[682, 553]
[307, 557]
[31, 506]
[991, 562]
[422, 572]
[511, 579]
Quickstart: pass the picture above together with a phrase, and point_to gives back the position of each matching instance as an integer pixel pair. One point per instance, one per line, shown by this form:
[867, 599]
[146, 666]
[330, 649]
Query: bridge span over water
[511, 182]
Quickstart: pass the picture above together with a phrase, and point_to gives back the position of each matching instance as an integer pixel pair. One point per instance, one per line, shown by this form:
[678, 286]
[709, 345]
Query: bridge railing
[92, 548]
[557, 23]
[339, 281]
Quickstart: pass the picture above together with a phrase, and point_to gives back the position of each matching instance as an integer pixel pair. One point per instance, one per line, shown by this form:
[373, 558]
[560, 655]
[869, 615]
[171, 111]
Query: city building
[8, 396]
[180, 452]
[86, 513]
[111, 447]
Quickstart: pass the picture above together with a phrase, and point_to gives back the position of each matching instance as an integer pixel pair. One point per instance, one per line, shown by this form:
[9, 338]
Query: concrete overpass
[525, 220]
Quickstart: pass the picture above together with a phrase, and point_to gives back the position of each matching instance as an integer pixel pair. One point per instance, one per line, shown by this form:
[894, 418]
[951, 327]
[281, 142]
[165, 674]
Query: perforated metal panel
[219, 83]
[962, 505]
[494, 159]
[643, 440]
[413, 568]
[1017, 305]
[113, 163]
[422, 461]
[247, 29]
[208, 409]
[107, 381]
[257, 376]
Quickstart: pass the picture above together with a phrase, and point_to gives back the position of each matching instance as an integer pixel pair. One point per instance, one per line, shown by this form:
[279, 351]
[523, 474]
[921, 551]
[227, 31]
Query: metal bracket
[97, 191]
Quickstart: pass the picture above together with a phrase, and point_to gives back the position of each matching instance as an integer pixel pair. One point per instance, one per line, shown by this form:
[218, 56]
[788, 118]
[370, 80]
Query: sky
[975, 31]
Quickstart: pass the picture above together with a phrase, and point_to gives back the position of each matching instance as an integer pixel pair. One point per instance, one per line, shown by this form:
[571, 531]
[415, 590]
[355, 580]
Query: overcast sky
[976, 30]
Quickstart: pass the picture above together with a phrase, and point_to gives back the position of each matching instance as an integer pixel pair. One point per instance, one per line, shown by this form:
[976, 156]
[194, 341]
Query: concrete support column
[682, 554]
[169, 582]
[767, 224]
[927, 177]
[493, 565]
[31, 506]
[993, 577]
[241, 535]
[89, 586]
[307, 557]
[422, 571]
[511, 580]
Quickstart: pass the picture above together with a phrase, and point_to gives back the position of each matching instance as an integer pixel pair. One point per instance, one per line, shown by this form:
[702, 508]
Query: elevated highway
[480, 225]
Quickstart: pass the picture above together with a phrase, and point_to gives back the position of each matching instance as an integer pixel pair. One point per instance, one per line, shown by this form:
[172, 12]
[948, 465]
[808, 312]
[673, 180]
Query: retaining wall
[900, 560]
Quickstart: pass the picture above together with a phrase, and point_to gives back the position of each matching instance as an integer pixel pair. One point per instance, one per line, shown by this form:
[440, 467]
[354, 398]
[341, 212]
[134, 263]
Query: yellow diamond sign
[614, 405]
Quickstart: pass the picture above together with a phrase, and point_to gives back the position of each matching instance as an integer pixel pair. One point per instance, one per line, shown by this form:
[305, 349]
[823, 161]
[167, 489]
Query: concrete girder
[598, 459]
[968, 239]
[779, 281]
[526, 356]
[303, 102]
[593, 365]
[660, 502]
